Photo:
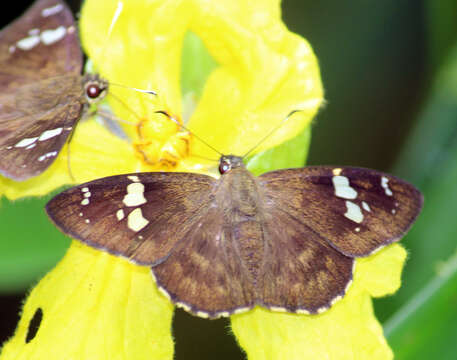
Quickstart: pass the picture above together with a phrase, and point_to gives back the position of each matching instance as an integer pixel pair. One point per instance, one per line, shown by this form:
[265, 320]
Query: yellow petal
[263, 73]
[94, 306]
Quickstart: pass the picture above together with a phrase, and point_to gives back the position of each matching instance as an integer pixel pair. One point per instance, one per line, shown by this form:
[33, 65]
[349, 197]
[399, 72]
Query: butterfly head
[229, 162]
[95, 88]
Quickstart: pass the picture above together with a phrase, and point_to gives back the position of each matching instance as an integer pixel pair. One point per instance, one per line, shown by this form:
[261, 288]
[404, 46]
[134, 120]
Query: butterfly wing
[32, 135]
[169, 221]
[317, 220]
[204, 273]
[35, 47]
[357, 211]
[139, 216]
[40, 88]
[302, 273]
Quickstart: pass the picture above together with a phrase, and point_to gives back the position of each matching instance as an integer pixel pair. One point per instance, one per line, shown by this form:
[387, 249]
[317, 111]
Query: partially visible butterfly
[42, 91]
[286, 240]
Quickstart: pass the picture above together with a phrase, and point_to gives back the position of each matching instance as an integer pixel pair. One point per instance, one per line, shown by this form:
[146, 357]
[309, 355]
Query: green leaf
[196, 65]
[425, 327]
[30, 244]
[424, 311]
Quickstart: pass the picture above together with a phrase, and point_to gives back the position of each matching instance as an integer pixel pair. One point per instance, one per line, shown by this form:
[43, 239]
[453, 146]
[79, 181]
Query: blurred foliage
[387, 67]
[424, 318]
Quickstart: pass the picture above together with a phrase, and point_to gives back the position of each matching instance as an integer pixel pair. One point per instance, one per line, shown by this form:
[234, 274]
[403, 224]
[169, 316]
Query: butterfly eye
[224, 166]
[93, 91]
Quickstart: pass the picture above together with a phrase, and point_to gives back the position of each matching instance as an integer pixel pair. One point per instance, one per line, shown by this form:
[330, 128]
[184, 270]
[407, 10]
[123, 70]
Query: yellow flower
[97, 306]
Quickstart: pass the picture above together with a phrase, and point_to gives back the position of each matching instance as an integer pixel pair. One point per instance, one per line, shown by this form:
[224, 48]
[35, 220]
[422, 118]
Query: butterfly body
[286, 240]
[42, 91]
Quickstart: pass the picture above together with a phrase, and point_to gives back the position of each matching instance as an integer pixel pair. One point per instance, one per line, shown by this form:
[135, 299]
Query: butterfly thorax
[239, 195]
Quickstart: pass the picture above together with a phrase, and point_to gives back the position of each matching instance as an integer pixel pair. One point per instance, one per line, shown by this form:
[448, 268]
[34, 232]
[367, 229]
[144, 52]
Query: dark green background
[390, 75]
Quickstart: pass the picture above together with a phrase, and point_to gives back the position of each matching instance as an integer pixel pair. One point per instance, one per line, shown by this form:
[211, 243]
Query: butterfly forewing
[138, 216]
[41, 89]
[31, 136]
[356, 210]
[40, 44]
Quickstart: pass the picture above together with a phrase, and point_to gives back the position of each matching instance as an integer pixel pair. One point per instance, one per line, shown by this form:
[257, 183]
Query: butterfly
[42, 91]
[286, 240]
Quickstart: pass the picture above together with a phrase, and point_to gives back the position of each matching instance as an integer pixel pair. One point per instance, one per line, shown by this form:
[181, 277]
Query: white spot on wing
[336, 172]
[134, 178]
[85, 189]
[183, 305]
[302, 311]
[49, 37]
[34, 31]
[120, 214]
[85, 201]
[52, 10]
[353, 212]
[50, 134]
[241, 310]
[31, 146]
[202, 314]
[136, 221]
[277, 309]
[26, 142]
[47, 155]
[335, 300]
[135, 195]
[28, 43]
[384, 184]
[164, 293]
[342, 187]
[366, 206]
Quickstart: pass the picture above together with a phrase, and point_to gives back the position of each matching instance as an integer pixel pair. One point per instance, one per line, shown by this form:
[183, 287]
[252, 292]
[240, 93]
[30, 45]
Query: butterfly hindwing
[358, 211]
[205, 273]
[139, 216]
[302, 272]
[40, 88]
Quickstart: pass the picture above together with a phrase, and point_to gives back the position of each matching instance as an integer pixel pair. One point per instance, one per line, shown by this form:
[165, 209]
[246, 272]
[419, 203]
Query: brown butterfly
[42, 91]
[286, 240]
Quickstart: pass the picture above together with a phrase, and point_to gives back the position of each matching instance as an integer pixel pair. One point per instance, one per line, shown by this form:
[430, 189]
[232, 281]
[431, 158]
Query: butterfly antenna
[185, 128]
[129, 109]
[68, 157]
[270, 132]
[205, 158]
[150, 92]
